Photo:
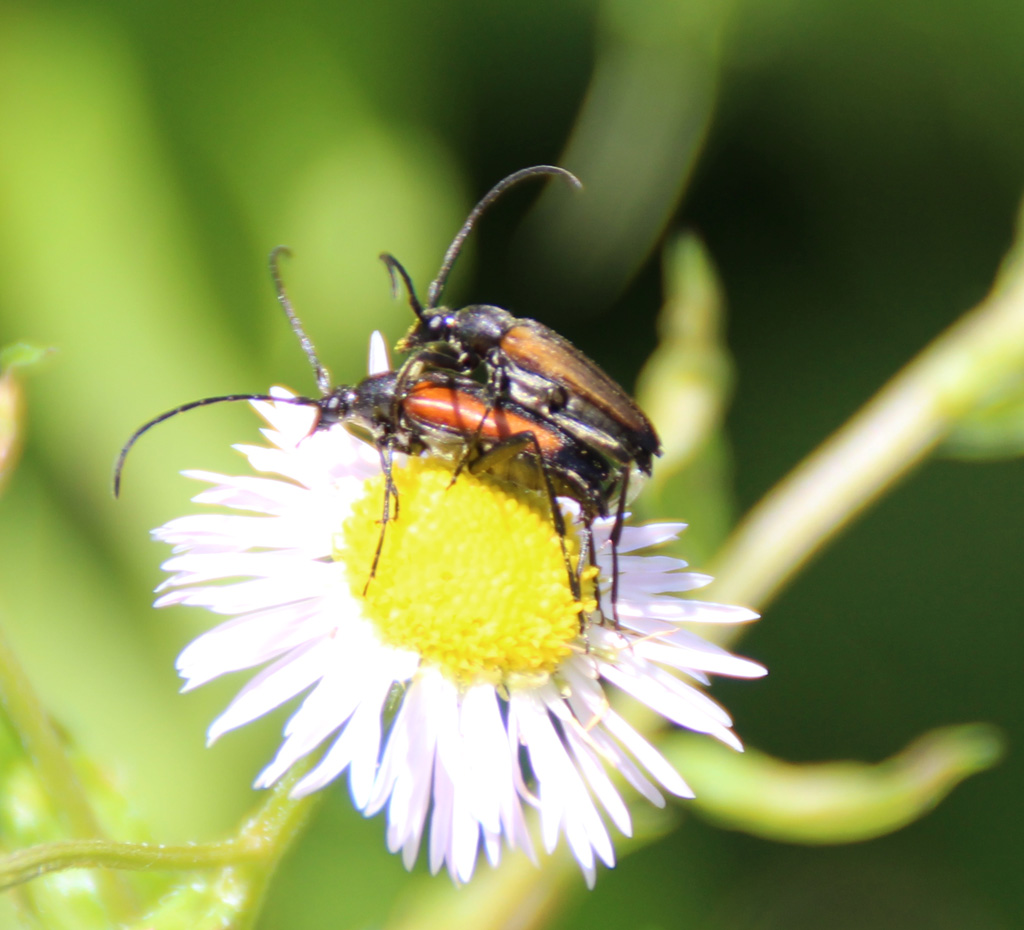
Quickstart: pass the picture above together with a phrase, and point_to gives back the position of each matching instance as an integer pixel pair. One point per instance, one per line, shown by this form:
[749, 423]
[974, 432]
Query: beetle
[452, 417]
[449, 415]
[441, 414]
[524, 360]
[529, 365]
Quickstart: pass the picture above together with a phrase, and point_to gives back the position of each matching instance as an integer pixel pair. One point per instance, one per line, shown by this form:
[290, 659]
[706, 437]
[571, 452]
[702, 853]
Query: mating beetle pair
[485, 387]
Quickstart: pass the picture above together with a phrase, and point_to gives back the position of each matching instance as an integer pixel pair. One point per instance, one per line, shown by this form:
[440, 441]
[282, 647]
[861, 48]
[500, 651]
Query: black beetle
[529, 365]
[525, 361]
[449, 415]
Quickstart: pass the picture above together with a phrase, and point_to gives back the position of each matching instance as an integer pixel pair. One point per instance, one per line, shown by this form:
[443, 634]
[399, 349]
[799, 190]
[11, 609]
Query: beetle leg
[588, 554]
[494, 396]
[390, 491]
[616, 533]
[441, 359]
[502, 452]
[473, 443]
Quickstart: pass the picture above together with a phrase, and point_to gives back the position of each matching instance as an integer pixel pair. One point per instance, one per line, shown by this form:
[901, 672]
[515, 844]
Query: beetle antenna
[397, 271]
[146, 427]
[323, 377]
[437, 285]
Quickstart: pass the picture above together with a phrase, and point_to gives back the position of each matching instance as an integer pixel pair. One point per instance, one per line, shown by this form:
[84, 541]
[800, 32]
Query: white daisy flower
[460, 689]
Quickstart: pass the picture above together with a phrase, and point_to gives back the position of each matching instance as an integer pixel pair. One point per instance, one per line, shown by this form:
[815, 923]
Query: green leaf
[685, 387]
[830, 802]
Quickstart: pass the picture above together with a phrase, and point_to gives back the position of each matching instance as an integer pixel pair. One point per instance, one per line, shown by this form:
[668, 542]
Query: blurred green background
[854, 170]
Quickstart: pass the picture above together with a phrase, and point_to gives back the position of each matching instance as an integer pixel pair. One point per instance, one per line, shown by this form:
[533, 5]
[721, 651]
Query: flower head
[464, 681]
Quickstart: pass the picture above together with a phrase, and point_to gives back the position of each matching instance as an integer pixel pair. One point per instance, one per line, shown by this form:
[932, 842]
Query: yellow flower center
[471, 575]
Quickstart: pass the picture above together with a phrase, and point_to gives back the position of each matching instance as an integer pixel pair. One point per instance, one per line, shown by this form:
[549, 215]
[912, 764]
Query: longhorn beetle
[448, 415]
[528, 365]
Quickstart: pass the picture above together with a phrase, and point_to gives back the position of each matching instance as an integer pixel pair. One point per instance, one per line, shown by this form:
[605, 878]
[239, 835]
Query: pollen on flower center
[471, 575]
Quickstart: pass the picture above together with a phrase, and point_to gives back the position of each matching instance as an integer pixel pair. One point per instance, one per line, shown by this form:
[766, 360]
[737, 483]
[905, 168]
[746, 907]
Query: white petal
[642, 565]
[583, 749]
[564, 800]
[271, 688]
[250, 640]
[641, 537]
[356, 748]
[404, 780]
[327, 708]
[312, 578]
[638, 585]
[441, 820]
[260, 495]
[672, 698]
[646, 755]
[447, 767]
[679, 609]
[590, 706]
[704, 657]
[489, 785]
[380, 359]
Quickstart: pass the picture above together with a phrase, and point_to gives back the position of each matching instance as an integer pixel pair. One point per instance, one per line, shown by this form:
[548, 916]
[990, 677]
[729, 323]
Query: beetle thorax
[480, 327]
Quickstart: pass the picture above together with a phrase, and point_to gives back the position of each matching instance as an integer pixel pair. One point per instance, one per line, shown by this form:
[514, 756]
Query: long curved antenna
[119, 464]
[397, 271]
[323, 377]
[437, 285]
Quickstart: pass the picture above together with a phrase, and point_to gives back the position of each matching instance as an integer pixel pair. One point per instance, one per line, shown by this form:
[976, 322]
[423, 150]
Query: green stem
[894, 432]
[272, 830]
[45, 748]
[26, 864]
[260, 843]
